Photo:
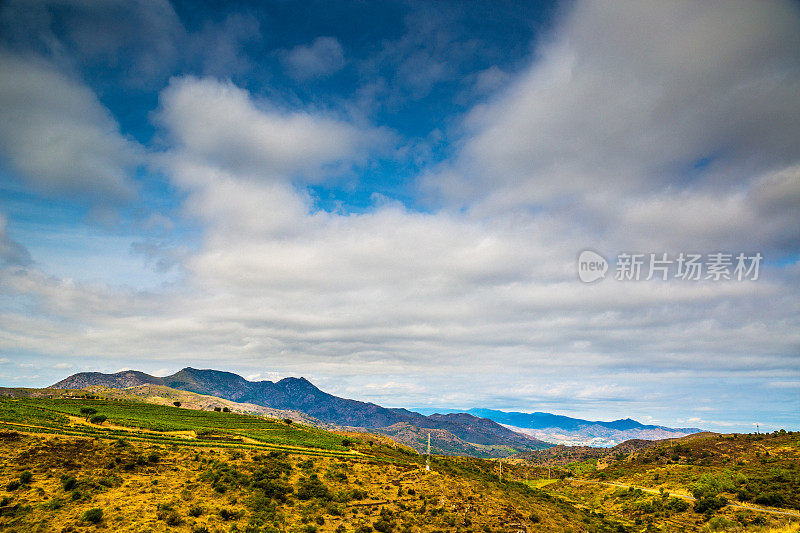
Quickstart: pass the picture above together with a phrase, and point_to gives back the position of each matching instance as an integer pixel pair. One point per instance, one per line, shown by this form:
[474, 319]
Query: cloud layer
[636, 126]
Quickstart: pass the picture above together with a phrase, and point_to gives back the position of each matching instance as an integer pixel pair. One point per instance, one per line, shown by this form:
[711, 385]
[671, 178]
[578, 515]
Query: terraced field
[165, 424]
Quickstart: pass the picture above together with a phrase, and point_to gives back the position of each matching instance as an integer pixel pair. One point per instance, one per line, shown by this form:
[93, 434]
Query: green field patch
[540, 483]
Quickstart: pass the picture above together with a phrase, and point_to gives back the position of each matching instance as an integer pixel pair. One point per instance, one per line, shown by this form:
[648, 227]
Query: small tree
[176, 404]
[288, 421]
[98, 419]
[226, 410]
[88, 411]
[218, 409]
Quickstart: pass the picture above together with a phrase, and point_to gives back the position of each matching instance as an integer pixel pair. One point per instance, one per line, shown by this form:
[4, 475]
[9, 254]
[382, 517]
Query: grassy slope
[745, 470]
[147, 472]
[161, 468]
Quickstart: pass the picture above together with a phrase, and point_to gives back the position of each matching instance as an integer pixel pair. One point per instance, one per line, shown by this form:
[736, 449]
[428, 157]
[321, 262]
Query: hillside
[710, 481]
[147, 467]
[162, 468]
[298, 394]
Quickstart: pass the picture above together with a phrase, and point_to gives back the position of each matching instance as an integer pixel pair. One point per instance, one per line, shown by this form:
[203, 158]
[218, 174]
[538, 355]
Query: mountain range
[560, 429]
[453, 433]
[476, 432]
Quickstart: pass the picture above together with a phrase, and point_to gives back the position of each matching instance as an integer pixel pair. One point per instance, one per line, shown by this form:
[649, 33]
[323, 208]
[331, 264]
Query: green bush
[709, 504]
[678, 505]
[168, 514]
[383, 526]
[98, 419]
[94, 515]
[312, 487]
[228, 514]
[13, 485]
[68, 482]
[26, 477]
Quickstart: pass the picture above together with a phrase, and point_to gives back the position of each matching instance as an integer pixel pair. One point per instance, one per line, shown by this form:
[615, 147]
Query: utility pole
[428, 457]
[501, 470]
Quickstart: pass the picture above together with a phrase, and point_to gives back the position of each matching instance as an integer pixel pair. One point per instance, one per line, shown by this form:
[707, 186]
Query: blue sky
[389, 199]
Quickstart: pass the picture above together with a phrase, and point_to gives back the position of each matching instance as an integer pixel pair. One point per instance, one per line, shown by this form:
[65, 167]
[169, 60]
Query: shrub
[195, 511]
[383, 526]
[94, 515]
[218, 409]
[153, 458]
[227, 514]
[312, 487]
[109, 481]
[200, 529]
[709, 504]
[774, 499]
[26, 477]
[719, 523]
[176, 404]
[288, 421]
[678, 505]
[168, 514]
[226, 410]
[52, 505]
[13, 485]
[98, 419]
[68, 482]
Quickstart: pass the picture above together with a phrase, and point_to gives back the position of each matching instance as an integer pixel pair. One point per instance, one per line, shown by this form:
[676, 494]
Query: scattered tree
[176, 404]
[98, 419]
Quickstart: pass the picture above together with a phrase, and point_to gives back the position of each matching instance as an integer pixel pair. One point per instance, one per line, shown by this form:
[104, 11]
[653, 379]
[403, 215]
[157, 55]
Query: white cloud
[321, 58]
[220, 126]
[57, 136]
[679, 104]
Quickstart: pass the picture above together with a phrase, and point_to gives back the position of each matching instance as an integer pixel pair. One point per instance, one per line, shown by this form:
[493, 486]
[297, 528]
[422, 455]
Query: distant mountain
[560, 429]
[301, 395]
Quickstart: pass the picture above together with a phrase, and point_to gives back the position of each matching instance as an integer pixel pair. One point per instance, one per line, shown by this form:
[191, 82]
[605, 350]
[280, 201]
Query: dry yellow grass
[129, 494]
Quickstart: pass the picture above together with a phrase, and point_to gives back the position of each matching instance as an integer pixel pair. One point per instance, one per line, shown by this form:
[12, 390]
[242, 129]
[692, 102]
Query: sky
[390, 199]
